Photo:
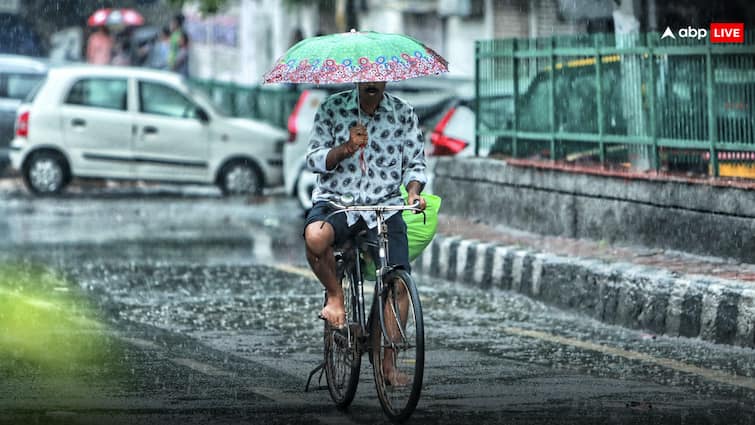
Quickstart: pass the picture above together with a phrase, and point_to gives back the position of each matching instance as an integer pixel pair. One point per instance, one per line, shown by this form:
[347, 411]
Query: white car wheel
[240, 178]
[305, 184]
[45, 174]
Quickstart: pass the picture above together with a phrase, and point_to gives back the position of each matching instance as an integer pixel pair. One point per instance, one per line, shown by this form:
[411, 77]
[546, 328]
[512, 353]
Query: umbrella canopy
[354, 57]
[123, 17]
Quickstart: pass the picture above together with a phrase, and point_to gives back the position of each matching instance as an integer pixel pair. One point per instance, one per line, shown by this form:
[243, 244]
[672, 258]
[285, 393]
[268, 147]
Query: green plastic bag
[420, 230]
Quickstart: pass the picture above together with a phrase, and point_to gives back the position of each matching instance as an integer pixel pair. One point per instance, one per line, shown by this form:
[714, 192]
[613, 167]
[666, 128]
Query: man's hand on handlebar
[414, 199]
[413, 189]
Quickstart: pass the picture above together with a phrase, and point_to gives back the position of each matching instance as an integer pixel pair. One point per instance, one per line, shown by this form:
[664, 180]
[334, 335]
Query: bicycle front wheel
[398, 348]
[343, 358]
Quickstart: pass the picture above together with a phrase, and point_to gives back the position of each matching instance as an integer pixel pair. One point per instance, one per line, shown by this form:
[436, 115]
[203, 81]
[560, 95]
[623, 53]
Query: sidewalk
[660, 291]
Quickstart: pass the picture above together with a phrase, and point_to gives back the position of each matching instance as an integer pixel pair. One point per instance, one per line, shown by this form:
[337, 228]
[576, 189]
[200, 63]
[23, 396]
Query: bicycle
[394, 330]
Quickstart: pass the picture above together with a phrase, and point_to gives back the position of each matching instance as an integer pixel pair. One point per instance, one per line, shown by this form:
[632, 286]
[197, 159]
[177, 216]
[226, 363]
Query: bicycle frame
[351, 264]
[382, 269]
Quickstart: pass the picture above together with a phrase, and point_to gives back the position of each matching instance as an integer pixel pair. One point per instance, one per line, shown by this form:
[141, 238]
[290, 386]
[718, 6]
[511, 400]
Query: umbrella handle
[359, 105]
[362, 162]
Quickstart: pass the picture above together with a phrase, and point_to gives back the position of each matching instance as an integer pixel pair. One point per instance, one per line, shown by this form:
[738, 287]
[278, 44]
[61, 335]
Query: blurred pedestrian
[129, 45]
[181, 61]
[296, 36]
[122, 56]
[100, 47]
[158, 57]
[176, 31]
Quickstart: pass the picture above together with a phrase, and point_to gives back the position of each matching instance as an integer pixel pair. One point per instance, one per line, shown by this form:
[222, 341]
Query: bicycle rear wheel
[398, 354]
[343, 358]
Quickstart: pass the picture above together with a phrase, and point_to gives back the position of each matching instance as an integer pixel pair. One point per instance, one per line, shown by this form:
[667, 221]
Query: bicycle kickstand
[321, 369]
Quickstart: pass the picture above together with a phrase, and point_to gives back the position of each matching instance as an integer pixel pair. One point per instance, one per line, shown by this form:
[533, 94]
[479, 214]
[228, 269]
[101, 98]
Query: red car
[454, 134]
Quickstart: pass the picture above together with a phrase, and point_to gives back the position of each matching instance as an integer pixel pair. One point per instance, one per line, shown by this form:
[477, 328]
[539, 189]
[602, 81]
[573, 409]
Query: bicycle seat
[344, 252]
[360, 239]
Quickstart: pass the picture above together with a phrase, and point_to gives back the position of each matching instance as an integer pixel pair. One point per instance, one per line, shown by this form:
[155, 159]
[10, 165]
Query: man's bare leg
[319, 242]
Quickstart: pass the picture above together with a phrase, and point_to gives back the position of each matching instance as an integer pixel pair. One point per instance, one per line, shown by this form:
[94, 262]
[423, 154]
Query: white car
[429, 96]
[138, 124]
[18, 76]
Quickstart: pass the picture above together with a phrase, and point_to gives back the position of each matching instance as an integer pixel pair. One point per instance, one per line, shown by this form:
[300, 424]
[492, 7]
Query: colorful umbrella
[125, 17]
[354, 57]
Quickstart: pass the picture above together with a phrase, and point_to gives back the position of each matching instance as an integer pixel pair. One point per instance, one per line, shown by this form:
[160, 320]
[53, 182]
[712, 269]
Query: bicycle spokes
[398, 348]
[342, 354]
[396, 311]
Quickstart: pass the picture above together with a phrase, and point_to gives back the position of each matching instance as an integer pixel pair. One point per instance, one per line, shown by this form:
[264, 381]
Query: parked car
[138, 124]
[454, 134]
[575, 105]
[429, 97]
[18, 77]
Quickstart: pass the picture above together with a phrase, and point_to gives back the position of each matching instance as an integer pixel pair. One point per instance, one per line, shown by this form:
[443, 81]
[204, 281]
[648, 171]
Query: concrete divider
[638, 297]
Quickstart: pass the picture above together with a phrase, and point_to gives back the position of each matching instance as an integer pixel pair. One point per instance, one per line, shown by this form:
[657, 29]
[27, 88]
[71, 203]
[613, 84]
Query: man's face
[371, 91]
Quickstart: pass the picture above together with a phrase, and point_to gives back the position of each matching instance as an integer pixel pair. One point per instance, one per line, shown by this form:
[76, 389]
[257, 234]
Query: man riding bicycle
[366, 155]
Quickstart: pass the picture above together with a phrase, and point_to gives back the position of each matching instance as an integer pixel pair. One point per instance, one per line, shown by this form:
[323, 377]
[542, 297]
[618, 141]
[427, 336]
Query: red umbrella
[127, 17]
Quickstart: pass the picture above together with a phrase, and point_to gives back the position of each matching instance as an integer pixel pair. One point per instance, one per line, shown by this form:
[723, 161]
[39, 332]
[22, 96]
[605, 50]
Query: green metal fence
[270, 104]
[636, 101]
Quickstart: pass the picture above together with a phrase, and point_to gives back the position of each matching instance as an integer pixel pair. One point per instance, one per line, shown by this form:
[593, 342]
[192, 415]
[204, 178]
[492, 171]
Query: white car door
[171, 140]
[97, 127]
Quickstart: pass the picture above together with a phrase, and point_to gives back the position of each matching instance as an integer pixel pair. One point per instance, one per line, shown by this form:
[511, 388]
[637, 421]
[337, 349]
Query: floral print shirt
[394, 155]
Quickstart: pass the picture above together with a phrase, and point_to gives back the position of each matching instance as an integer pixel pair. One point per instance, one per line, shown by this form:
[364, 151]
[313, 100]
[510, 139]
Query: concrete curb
[637, 297]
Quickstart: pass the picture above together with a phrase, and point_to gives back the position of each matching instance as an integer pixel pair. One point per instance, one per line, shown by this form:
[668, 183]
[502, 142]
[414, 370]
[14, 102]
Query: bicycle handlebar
[376, 208]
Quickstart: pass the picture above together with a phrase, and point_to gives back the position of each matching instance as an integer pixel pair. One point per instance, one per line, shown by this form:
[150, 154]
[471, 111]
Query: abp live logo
[728, 32]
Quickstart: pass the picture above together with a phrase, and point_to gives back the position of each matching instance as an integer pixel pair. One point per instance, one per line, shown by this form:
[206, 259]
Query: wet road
[178, 306]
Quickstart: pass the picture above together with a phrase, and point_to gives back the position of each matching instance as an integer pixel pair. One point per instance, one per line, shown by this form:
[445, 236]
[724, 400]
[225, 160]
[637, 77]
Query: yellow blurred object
[41, 324]
[735, 170]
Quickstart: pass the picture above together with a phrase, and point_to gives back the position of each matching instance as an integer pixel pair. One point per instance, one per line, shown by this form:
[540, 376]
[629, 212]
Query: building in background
[242, 42]
[452, 26]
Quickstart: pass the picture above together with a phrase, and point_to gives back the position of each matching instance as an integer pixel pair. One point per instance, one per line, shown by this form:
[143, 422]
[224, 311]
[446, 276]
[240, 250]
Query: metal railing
[634, 101]
[269, 104]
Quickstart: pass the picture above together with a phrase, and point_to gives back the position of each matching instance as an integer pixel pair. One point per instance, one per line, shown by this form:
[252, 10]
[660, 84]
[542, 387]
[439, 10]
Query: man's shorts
[398, 245]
